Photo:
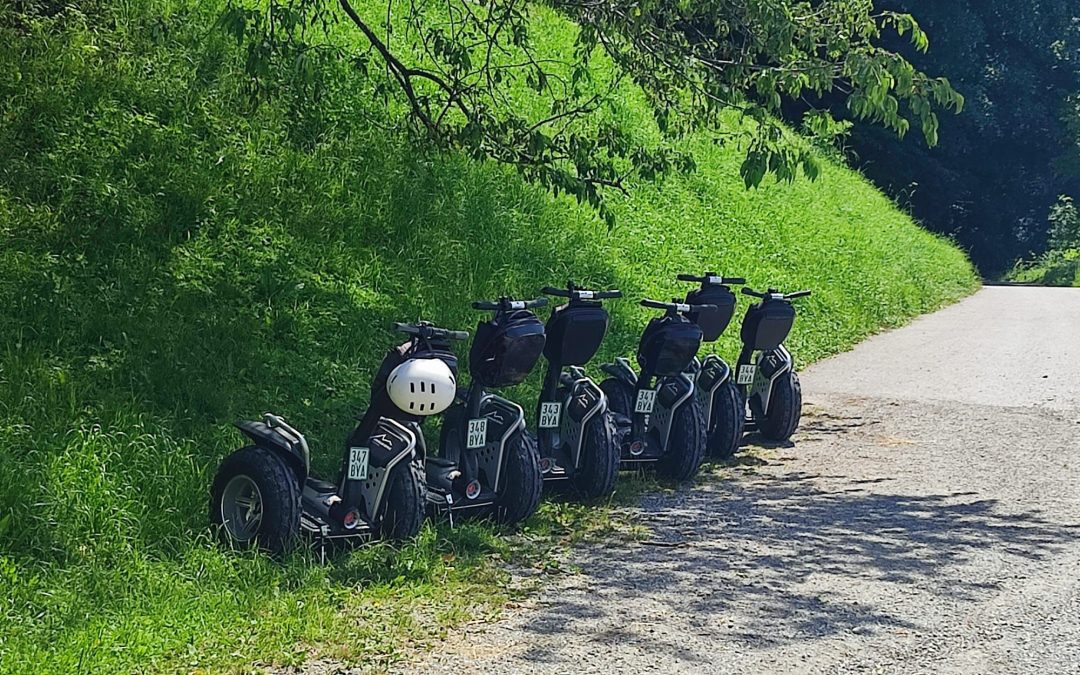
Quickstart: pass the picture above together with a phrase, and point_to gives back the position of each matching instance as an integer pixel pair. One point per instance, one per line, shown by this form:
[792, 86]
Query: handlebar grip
[607, 295]
[797, 294]
[655, 304]
[738, 281]
[752, 292]
[559, 292]
[485, 304]
[538, 302]
[689, 277]
[406, 328]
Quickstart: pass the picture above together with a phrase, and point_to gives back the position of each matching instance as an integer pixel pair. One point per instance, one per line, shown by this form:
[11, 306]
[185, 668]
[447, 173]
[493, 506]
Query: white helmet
[422, 386]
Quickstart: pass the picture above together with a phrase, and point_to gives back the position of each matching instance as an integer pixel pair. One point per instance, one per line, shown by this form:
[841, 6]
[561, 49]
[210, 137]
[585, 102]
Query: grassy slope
[170, 260]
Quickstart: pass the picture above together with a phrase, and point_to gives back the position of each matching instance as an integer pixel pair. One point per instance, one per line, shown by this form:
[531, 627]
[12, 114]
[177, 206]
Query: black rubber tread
[686, 445]
[729, 417]
[404, 501]
[280, 491]
[523, 482]
[600, 456]
[785, 409]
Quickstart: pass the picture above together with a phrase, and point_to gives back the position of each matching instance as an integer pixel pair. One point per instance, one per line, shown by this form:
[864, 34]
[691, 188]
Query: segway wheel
[403, 503]
[785, 409]
[620, 396]
[255, 501]
[523, 482]
[686, 445]
[595, 478]
[729, 414]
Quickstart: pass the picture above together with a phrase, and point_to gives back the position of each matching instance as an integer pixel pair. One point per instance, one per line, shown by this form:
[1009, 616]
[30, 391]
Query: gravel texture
[925, 521]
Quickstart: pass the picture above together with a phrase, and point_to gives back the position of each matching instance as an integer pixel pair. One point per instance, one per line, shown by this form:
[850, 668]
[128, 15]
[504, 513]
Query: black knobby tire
[278, 493]
[600, 454]
[620, 396]
[785, 409]
[729, 421]
[403, 503]
[686, 444]
[522, 481]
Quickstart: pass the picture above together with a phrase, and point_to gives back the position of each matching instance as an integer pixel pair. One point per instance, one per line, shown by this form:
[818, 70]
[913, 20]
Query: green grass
[172, 259]
[1054, 268]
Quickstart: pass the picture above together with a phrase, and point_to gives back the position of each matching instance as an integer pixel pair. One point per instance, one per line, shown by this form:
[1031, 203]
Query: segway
[576, 433]
[265, 493]
[721, 401]
[660, 420]
[765, 371]
[486, 463]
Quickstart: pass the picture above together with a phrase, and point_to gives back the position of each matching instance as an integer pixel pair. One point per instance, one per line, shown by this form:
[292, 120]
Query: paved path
[926, 521]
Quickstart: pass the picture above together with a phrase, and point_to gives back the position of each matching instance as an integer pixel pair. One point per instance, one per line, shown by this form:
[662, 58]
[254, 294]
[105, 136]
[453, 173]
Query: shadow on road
[768, 562]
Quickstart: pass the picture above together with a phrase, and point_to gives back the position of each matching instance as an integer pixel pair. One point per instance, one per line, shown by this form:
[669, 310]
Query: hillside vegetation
[172, 258]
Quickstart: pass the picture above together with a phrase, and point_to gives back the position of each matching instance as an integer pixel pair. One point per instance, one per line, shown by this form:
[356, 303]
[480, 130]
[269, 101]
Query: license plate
[477, 436]
[646, 401]
[549, 415]
[746, 374]
[358, 463]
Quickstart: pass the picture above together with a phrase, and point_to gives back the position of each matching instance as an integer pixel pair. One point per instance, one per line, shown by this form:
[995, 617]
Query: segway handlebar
[580, 293]
[773, 294]
[712, 279]
[508, 303]
[426, 330]
[675, 306]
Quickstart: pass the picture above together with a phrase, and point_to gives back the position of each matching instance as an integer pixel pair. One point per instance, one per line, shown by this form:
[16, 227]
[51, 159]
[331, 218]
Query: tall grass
[172, 258]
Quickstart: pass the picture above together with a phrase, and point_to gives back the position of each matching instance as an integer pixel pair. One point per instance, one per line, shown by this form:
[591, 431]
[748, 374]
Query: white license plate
[549, 415]
[746, 374]
[477, 436]
[358, 463]
[646, 401]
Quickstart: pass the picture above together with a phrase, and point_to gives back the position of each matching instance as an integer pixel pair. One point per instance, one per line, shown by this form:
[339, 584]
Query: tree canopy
[450, 65]
[1003, 164]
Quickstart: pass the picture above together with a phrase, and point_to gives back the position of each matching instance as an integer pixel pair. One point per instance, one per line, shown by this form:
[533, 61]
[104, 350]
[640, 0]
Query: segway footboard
[652, 419]
[350, 509]
[486, 437]
[583, 401]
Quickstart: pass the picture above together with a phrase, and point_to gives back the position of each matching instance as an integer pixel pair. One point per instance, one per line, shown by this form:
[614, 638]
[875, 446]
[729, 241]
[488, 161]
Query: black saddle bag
[713, 322]
[668, 345]
[767, 324]
[575, 332]
[506, 348]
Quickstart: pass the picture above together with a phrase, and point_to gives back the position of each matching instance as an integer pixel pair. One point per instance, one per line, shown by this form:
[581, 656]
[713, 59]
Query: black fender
[622, 370]
[712, 373]
[280, 442]
[392, 442]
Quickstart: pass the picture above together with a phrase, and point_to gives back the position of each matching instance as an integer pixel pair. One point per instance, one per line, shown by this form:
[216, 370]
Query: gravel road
[925, 521]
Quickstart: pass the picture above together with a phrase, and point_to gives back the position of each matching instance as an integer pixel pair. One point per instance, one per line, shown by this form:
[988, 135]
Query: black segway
[721, 400]
[487, 464]
[660, 420]
[576, 432]
[765, 371]
[265, 493]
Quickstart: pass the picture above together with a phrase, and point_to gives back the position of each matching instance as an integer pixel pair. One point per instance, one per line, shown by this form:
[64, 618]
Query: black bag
[506, 348]
[767, 324]
[668, 345]
[713, 322]
[575, 332]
